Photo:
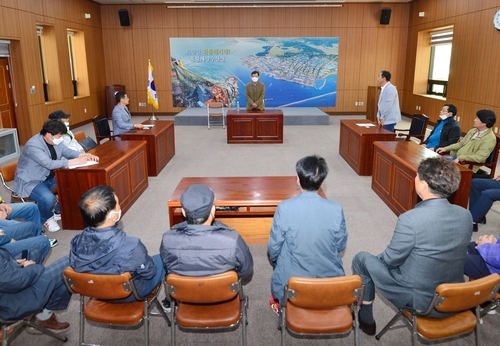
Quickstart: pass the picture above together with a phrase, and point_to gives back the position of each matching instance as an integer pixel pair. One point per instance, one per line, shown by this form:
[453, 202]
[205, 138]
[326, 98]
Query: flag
[152, 97]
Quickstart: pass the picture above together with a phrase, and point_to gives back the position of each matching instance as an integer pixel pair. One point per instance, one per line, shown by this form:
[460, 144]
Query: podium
[111, 90]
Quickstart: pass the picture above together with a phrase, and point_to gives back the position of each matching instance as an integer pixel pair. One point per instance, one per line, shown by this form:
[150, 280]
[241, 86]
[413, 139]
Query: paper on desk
[365, 125]
[88, 163]
[146, 127]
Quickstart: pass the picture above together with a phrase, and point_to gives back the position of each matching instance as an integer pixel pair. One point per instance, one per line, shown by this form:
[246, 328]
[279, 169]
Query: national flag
[152, 97]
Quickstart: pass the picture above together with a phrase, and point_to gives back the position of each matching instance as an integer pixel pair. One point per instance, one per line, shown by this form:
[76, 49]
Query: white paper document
[88, 163]
[365, 125]
[147, 127]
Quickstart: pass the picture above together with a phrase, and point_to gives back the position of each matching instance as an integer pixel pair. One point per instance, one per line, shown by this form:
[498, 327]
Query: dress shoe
[482, 221]
[474, 227]
[367, 328]
[51, 324]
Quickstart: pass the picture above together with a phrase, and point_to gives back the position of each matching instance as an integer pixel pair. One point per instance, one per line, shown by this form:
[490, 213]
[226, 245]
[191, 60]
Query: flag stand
[153, 117]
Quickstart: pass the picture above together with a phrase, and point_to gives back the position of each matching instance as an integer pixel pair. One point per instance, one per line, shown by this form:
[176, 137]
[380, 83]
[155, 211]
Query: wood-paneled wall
[18, 20]
[365, 47]
[474, 80]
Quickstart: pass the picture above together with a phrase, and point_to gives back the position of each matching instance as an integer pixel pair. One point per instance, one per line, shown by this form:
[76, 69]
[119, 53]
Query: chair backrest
[215, 108]
[494, 154]
[9, 171]
[418, 124]
[79, 136]
[99, 286]
[462, 296]
[101, 127]
[203, 289]
[323, 293]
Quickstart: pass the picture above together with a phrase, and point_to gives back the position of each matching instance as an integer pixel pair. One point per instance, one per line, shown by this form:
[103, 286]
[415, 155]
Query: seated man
[103, 248]
[483, 192]
[483, 257]
[121, 116]
[427, 249]
[198, 247]
[308, 232]
[26, 287]
[35, 177]
[446, 132]
[479, 142]
[69, 137]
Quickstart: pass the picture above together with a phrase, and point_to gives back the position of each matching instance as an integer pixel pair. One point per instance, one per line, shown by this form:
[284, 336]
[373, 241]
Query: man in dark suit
[428, 247]
[254, 93]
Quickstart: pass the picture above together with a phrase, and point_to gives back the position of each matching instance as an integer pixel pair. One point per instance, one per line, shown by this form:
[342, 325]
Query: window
[439, 66]
[78, 63]
[39, 32]
[49, 63]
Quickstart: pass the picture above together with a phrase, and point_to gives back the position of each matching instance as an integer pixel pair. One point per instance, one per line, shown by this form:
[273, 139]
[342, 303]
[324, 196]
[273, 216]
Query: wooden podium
[372, 102]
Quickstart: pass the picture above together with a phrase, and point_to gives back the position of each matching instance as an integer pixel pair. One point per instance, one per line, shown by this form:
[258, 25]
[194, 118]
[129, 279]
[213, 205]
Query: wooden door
[7, 110]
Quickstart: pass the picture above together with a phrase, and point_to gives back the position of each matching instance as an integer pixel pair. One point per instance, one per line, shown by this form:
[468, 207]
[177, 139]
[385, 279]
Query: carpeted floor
[202, 152]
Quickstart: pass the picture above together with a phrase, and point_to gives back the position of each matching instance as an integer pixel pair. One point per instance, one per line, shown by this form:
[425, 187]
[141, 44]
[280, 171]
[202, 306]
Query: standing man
[308, 232]
[428, 247]
[478, 143]
[199, 246]
[121, 116]
[254, 92]
[35, 177]
[69, 137]
[446, 132]
[389, 113]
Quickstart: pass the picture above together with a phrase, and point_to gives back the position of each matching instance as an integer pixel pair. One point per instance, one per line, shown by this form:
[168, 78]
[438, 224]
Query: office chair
[321, 306]
[102, 287]
[491, 163]
[207, 303]
[216, 110]
[457, 298]
[102, 129]
[417, 129]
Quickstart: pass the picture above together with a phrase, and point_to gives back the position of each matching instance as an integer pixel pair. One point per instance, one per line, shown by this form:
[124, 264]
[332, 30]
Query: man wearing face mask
[446, 132]
[103, 248]
[254, 93]
[68, 138]
[35, 177]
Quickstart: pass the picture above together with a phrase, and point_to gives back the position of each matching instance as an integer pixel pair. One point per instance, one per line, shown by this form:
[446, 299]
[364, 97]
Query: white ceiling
[248, 2]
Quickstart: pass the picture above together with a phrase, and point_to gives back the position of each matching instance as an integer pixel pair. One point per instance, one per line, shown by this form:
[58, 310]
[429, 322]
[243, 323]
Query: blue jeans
[483, 192]
[389, 127]
[26, 238]
[43, 196]
[25, 211]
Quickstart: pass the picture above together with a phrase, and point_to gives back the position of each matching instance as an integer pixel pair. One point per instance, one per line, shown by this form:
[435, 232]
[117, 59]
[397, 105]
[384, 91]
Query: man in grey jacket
[201, 247]
[388, 114]
[428, 247]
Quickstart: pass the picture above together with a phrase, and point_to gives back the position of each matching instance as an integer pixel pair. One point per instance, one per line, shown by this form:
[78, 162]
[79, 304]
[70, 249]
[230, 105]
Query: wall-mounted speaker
[385, 16]
[125, 20]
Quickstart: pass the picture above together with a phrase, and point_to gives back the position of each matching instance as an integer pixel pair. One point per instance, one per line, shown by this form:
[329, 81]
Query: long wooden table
[356, 143]
[122, 165]
[160, 143]
[256, 197]
[395, 166]
[254, 127]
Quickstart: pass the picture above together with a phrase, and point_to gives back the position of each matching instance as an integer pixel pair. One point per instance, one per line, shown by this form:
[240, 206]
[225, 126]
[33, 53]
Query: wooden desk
[122, 165]
[394, 169]
[254, 126]
[356, 143]
[256, 197]
[160, 145]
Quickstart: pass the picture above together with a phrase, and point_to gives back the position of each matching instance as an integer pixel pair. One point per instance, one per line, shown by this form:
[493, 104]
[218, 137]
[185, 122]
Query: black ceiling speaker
[385, 16]
[125, 20]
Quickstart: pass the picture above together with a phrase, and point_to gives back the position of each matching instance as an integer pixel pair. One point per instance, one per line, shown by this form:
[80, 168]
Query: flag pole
[151, 85]
[153, 117]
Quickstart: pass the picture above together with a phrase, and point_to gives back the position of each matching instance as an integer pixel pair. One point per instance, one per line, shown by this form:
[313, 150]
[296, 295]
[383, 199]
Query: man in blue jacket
[103, 248]
[308, 232]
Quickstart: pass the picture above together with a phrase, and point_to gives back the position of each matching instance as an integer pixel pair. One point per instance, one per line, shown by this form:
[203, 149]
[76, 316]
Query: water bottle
[237, 106]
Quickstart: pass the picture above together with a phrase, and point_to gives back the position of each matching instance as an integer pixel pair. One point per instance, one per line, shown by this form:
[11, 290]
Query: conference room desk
[356, 143]
[395, 166]
[160, 145]
[255, 197]
[254, 127]
[122, 165]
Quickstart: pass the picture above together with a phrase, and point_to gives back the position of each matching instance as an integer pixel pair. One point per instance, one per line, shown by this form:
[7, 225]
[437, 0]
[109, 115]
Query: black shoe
[474, 227]
[367, 328]
[166, 305]
[482, 221]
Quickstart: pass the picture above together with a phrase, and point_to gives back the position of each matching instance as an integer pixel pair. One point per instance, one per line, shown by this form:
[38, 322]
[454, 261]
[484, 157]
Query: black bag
[88, 143]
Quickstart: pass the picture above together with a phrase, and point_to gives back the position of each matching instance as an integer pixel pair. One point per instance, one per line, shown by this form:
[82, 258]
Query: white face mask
[119, 212]
[443, 116]
[57, 141]
[255, 79]
[66, 123]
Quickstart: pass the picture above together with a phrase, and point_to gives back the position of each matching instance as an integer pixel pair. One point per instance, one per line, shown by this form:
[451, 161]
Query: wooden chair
[10, 327]
[102, 129]
[326, 306]
[457, 298]
[417, 129]
[216, 110]
[491, 163]
[100, 287]
[207, 302]
[79, 136]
